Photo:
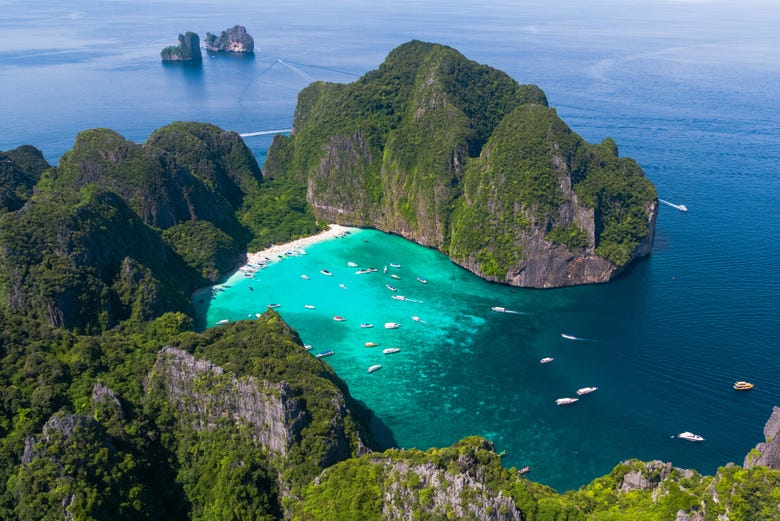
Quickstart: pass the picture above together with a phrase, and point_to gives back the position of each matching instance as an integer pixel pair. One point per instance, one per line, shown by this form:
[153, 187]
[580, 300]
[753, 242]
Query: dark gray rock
[235, 39]
[767, 454]
[188, 49]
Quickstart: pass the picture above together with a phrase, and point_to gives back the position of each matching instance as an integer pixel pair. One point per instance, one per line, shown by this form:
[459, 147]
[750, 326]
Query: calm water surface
[690, 90]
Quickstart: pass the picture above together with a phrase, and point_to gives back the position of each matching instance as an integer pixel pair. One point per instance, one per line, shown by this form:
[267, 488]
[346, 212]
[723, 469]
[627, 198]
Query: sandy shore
[276, 251]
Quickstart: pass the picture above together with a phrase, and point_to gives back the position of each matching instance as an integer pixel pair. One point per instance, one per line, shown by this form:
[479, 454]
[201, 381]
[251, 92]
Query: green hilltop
[458, 156]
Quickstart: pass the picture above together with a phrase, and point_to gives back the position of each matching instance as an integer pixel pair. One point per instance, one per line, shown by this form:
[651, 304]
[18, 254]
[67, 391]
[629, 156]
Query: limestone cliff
[188, 49]
[235, 39]
[460, 157]
[767, 454]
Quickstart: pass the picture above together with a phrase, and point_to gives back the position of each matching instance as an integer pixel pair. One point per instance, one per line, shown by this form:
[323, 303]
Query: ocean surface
[691, 90]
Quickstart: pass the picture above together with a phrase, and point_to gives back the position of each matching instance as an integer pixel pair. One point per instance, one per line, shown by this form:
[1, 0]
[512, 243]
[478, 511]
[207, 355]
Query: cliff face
[20, 170]
[188, 49]
[767, 454]
[459, 157]
[235, 39]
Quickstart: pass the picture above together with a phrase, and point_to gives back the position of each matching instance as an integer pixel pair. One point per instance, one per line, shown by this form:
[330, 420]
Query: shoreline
[277, 252]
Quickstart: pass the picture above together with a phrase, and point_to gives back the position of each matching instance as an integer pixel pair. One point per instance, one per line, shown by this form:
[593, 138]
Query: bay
[690, 90]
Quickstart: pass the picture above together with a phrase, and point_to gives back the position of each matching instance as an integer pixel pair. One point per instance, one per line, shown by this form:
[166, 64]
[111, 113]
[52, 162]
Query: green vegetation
[459, 156]
[188, 49]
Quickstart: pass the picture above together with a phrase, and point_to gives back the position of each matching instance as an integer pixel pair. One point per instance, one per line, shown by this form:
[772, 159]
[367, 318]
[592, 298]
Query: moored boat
[392, 325]
[394, 265]
[305, 277]
[326, 272]
[391, 287]
[566, 401]
[371, 344]
[364, 271]
[690, 436]
[274, 306]
[586, 390]
[546, 360]
[323, 354]
[375, 367]
[422, 280]
[352, 264]
[394, 276]
[308, 306]
[416, 318]
[339, 318]
[524, 470]
[223, 322]
[366, 325]
[307, 347]
[391, 350]
[743, 386]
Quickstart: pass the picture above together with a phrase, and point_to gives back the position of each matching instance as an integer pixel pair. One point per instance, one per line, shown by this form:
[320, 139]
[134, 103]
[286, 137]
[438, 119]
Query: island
[460, 157]
[188, 49]
[233, 40]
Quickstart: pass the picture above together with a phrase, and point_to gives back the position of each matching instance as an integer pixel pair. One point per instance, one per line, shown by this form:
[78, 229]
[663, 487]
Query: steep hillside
[460, 157]
[20, 170]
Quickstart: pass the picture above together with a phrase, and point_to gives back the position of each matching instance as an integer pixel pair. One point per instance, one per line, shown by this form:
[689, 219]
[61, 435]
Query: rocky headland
[235, 40]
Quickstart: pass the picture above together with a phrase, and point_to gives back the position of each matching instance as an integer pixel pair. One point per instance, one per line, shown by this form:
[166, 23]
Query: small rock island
[188, 49]
[235, 40]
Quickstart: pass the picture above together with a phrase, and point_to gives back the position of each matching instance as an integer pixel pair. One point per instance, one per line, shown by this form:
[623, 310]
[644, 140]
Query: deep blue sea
[691, 90]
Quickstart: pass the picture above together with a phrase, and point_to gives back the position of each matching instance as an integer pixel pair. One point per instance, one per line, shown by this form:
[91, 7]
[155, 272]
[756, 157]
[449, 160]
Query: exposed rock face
[235, 39]
[767, 454]
[188, 49]
[207, 393]
[459, 157]
[20, 169]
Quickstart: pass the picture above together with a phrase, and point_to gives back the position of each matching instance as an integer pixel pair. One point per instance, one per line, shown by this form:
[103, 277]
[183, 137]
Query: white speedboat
[690, 436]
[323, 354]
[366, 325]
[586, 390]
[392, 325]
[273, 306]
[394, 265]
[566, 401]
[352, 264]
[499, 309]
[416, 318]
[391, 350]
[223, 322]
[546, 360]
[308, 306]
[399, 297]
[326, 272]
[391, 287]
[305, 277]
[568, 337]
[373, 368]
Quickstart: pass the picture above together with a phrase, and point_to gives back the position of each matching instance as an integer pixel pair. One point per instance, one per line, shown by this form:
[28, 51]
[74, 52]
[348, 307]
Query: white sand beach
[277, 251]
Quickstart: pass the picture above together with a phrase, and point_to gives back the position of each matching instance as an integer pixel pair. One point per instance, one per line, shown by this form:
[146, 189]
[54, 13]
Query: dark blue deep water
[690, 90]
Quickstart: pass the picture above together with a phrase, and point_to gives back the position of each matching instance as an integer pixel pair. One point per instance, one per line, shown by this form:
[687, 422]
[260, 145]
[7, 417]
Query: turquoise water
[690, 90]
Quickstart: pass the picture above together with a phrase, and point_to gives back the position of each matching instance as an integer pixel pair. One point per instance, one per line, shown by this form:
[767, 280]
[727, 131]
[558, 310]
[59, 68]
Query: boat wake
[266, 132]
[680, 207]
[578, 339]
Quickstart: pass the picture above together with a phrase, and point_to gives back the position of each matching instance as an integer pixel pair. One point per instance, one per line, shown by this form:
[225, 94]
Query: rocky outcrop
[204, 393]
[235, 39]
[20, 169]
[188, 49]
[767, 454]
[459, 157]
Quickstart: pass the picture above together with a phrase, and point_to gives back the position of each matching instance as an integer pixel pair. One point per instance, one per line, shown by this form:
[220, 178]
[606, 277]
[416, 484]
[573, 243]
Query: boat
[391, 350]
[305, 277]
[323, 354]
[394, 276]
[524, 470]
[375, 367]
[743, 386]
[546, 360]
[339, 318]
[273, 306]
[391, 288]
[366, 325]
[371, 344]
[416, 318]
[682, 207]
[364, 271]
[352, 264]
[498, 309]
[394, 265]
[307, 347]
[343, 286]
[223, 322]
[422, 280]
[399, 297]
[690, 436]
[586, 390]
[566, 401]
[308, 306]
[568, 337]
[326, 272]
[392, 325]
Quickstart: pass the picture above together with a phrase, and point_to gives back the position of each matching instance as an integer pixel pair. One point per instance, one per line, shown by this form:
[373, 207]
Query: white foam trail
[680, 207]
[266, 132]
[578, 339]
[515, 312]
[296, 70]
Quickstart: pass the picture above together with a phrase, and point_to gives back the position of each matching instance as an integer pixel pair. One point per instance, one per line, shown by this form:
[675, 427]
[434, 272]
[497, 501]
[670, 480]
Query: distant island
[235, 39]
[188, 49]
